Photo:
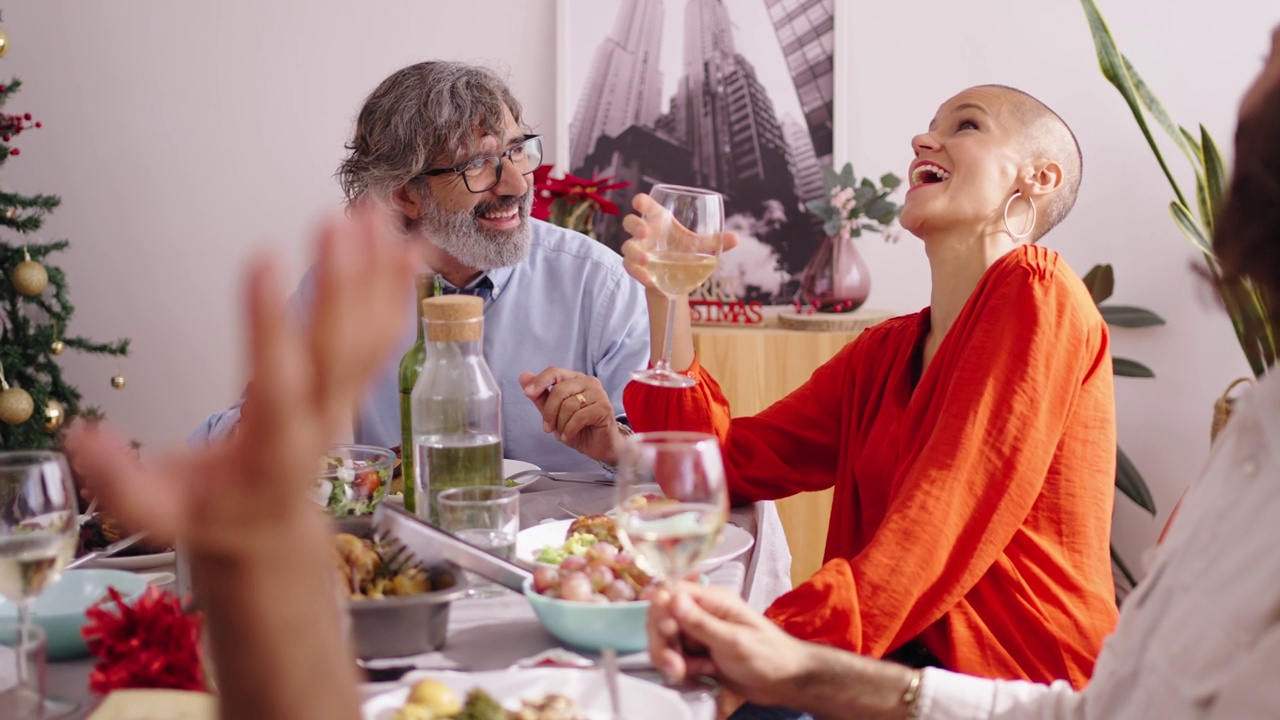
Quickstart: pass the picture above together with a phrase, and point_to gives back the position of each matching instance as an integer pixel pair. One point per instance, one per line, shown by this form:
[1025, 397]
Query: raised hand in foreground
[259, 549]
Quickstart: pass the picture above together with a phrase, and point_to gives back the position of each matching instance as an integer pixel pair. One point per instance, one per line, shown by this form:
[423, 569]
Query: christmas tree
[35, 401]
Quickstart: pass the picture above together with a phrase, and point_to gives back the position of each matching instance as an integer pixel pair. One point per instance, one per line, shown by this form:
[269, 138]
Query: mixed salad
[347, 486]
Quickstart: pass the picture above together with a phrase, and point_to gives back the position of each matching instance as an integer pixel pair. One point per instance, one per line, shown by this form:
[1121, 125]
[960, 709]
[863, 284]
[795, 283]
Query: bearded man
[442, 146]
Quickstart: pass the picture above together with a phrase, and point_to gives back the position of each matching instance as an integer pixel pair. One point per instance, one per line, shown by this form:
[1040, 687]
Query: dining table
[502, 632]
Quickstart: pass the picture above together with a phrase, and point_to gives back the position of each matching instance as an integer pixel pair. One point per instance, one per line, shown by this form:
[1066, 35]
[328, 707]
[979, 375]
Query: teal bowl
[592, 626]
[60, 608]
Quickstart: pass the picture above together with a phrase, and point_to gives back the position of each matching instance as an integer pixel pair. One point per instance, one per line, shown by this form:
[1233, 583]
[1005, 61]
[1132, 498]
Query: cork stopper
[453, 318]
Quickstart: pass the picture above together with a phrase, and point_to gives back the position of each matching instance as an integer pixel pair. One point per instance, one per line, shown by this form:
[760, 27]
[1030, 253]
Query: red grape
[620, 591]
[573, 563]
[576, 586]
[601, 576]
[545, 577]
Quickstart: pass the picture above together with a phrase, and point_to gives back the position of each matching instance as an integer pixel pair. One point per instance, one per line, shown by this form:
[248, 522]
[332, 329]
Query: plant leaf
[832, 226]
[1187, 223]
[1129, 316]
[1129, 482]
[1113, 67]
[1160, 115]
[1193, 142]
[1124, 367]
[1124, 569]
[890, 180]
[1101, 282]
[1215, 177]
[847, 177]
[819, 207]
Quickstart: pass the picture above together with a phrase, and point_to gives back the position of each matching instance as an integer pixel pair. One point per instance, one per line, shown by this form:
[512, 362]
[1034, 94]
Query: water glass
[22, 692]
[485, 516]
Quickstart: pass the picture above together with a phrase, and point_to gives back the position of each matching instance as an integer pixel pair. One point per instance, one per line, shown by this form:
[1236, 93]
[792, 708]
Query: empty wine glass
[672, 500]
[38, 532]
[686, 233]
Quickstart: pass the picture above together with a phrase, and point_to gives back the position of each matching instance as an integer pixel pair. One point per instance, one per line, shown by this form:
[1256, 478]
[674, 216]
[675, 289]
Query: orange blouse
[972, 508]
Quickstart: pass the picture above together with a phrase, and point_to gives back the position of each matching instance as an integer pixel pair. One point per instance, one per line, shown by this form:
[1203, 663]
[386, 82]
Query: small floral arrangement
[571, 201]
[151, 642]
[853, 206]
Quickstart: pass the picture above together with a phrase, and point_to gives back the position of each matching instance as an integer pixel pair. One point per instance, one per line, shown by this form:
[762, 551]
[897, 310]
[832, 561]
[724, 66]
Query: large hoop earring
[1030, 228]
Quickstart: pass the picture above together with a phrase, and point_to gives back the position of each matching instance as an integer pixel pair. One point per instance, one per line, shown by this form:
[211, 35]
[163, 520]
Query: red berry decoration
[26, 116]
[39, 124]
[13, 151]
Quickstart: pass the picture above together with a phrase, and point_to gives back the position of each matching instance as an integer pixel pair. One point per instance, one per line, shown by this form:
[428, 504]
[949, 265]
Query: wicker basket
[1222, 408]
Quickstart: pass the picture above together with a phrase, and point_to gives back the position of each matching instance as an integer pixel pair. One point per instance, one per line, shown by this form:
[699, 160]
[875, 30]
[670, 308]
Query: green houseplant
[1101, 282]
[1243, 300]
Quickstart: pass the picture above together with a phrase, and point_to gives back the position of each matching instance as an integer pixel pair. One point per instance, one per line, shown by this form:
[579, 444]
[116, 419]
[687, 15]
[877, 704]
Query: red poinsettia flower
[575, 189]
[542, 196]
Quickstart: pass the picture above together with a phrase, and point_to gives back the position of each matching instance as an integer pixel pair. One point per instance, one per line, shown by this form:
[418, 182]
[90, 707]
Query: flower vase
[836, 278]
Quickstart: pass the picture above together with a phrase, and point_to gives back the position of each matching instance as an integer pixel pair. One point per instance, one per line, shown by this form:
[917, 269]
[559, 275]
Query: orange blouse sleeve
[792, 446]
[1009, 375]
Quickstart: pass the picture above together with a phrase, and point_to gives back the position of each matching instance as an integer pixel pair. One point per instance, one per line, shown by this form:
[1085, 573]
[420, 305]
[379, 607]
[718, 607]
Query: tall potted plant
[1244, 301]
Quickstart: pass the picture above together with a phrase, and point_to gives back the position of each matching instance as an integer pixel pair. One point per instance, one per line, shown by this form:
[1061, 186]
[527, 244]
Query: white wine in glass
[683, 243]
[38, 533]
[672, 500]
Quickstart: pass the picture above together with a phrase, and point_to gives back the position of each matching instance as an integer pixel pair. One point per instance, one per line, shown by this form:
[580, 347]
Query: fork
[395, 556]
[609, 658]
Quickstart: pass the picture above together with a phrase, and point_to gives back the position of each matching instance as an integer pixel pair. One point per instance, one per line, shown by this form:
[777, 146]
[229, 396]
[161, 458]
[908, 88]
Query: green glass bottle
[410, 368]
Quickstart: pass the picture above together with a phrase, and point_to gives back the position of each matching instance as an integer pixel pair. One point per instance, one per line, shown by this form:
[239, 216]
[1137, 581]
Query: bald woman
[971, 445]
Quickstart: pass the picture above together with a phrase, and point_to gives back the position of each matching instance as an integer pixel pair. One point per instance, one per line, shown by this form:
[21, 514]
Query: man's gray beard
[462, 236]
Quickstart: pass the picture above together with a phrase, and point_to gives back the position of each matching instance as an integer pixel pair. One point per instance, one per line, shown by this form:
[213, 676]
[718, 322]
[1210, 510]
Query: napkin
[156, 705]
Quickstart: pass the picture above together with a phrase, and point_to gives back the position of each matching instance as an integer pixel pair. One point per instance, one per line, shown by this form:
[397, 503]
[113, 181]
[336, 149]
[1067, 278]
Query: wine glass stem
[665, 362]
[24, 637]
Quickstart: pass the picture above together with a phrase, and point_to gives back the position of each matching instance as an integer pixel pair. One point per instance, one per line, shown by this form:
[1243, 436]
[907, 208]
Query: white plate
[511, 467]
[733, 542]
[134, 562]
[640, 699]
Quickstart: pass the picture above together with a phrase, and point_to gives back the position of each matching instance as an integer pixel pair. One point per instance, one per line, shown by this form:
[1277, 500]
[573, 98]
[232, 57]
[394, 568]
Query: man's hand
[696, 630]
[576, 408]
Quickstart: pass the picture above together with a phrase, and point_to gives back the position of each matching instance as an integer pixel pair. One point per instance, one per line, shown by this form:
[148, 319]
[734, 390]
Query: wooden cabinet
[757, 366]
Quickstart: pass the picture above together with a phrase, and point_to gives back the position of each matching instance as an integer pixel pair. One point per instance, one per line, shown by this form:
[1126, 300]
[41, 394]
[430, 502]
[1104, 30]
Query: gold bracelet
[911, 696]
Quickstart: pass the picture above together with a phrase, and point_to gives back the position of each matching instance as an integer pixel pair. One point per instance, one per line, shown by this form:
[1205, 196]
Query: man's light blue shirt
[569, 304]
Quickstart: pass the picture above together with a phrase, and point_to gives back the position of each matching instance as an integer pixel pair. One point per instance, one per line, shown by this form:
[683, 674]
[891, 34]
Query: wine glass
[38, 533]
[686, 233]
[672, 500]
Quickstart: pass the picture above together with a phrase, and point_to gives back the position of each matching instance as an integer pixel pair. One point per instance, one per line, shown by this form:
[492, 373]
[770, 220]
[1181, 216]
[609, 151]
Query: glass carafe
[456, 404]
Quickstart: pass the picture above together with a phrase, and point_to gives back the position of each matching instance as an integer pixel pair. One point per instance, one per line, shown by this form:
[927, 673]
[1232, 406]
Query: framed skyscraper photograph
[736, 96]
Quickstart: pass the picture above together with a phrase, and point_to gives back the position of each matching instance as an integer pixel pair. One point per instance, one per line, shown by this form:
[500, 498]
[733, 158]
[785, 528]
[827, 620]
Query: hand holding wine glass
[672, 499]
[677, 237]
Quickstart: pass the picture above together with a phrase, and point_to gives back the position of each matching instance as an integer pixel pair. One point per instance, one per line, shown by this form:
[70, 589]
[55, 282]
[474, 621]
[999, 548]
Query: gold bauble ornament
[56, 347]
[4, 42]
[117, 381]
[16, 405]
[54, 415]
[29, 278]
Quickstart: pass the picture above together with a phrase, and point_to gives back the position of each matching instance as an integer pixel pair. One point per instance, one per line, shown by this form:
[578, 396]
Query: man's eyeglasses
[484, 173]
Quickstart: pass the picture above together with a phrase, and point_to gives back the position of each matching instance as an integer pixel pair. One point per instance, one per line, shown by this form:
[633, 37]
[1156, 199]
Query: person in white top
[1198, 638]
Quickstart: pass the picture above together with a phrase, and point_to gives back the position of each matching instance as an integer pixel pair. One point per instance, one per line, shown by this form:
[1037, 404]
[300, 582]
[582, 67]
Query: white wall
[182, 135]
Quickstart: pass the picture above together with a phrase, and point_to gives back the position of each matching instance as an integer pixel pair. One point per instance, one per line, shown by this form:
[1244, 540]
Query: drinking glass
[672, 500]
[38, 532]
[21, 646]
[686, 233]
[485, 516]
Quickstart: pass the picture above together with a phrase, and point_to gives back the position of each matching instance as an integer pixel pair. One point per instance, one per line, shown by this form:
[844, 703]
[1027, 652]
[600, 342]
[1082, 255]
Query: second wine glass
[672, 500]
[686, 233]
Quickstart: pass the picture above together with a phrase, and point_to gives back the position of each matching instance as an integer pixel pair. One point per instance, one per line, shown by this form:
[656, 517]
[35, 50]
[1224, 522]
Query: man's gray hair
[422, 116]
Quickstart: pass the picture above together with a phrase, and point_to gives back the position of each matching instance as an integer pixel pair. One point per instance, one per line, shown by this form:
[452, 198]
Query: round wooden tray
[859, 319]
